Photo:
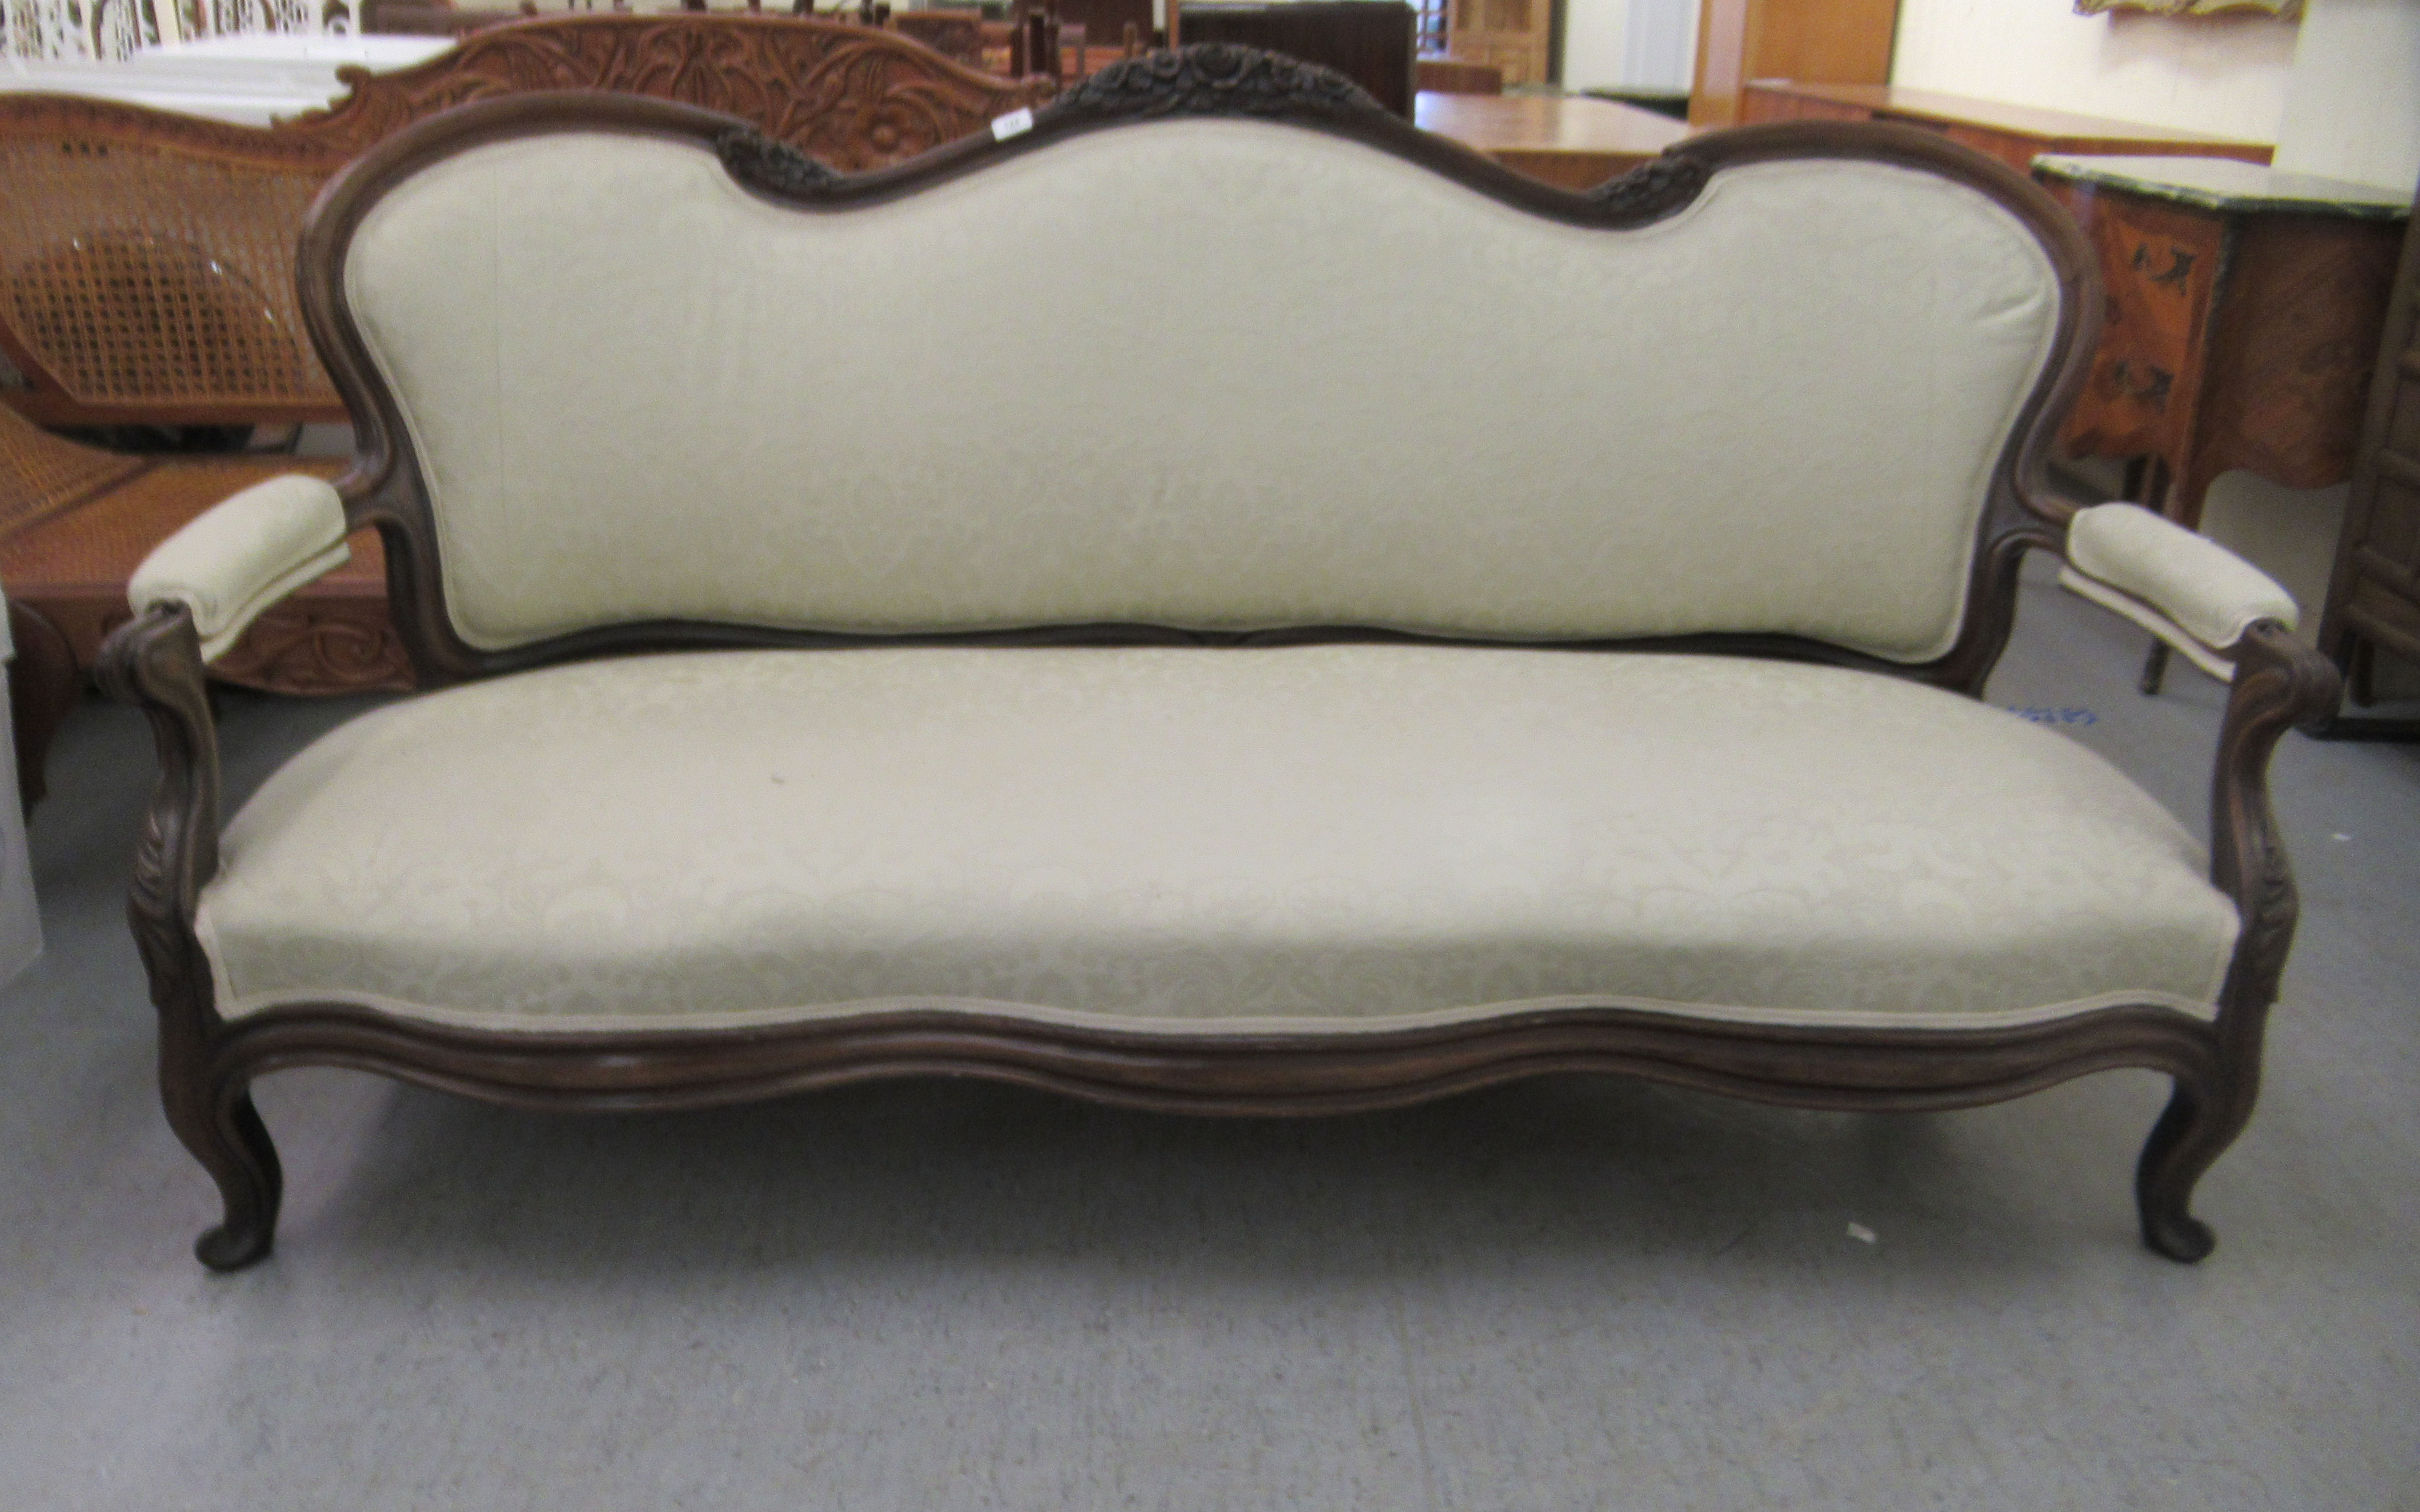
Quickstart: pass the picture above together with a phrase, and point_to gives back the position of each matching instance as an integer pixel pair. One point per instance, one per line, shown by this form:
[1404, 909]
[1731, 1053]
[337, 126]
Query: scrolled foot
[2180, 1236]
[229, 1247]
[235, 1148]
[2191, 1133]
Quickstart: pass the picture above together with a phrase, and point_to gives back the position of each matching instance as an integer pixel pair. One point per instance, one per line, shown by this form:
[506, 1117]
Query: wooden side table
[2244, 309]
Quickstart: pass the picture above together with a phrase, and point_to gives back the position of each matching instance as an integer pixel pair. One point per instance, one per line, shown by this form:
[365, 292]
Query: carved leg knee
[2191, 1133]
[226, 1135]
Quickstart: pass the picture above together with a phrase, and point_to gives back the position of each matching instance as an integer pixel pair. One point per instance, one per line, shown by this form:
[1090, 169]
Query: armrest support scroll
[154, 662]
[243, 555]
[2280, 683]
[2183, 588]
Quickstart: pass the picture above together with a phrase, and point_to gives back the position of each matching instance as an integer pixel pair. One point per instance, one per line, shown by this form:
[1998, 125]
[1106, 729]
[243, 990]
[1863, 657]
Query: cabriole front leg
[155, 663]
[214, 1118]
[2279, 683]
[2201, 1121]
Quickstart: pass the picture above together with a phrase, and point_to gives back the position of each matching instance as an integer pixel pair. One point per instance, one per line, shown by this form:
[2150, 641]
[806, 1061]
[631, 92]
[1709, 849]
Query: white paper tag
[1015, 123]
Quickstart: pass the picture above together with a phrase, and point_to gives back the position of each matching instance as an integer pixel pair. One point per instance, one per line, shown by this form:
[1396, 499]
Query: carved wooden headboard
[147, 258]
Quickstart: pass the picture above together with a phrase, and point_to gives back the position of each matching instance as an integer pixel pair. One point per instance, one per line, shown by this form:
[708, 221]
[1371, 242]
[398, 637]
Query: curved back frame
[447, 556]
[146, 258]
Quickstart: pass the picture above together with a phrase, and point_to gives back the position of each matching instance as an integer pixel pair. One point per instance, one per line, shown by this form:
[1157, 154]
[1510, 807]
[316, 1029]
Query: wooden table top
[1546, 123]
[2071, 132]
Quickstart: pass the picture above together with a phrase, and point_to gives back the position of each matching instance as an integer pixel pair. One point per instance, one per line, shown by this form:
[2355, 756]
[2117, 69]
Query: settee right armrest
[2183, 588]
[243, 555]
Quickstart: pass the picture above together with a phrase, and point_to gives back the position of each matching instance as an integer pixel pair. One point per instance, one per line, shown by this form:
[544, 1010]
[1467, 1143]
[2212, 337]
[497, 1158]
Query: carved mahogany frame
[207, 1062]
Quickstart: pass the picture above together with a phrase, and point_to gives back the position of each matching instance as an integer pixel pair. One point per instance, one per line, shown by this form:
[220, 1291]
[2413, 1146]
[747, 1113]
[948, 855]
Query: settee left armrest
[243, 555]
[2185, 589]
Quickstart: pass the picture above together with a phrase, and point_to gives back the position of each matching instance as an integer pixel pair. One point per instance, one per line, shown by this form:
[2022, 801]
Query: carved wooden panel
[852, 96]
[327, 644]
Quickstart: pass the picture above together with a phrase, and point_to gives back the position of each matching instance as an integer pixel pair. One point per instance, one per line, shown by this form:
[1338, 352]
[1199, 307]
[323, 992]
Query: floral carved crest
[851, 96]
[1217, 79]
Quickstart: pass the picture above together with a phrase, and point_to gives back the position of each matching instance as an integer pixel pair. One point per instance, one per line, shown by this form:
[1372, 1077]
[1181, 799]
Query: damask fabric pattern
[1217, 374]
[244, 554]
[1338, 834]
[2209, 592]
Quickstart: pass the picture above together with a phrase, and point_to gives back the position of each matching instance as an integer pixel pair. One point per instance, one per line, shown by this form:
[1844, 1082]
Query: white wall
[2352, 106]
[1634, 44]
[1595, 36]
[1663, 49]
[2225, 75]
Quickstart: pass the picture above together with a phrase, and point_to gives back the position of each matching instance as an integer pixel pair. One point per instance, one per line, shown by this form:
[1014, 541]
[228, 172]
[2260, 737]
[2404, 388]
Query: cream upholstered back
[1210, 373]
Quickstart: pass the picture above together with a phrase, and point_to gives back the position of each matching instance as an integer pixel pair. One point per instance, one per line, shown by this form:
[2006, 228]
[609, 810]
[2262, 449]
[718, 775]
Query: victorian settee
[1477, 630]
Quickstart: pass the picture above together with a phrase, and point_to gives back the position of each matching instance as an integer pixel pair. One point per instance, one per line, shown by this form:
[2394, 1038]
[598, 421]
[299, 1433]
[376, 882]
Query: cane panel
[41, 474]
[143, 282]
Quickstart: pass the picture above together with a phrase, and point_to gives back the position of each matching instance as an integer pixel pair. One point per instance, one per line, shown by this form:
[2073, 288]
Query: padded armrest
[2185, 589]
[243, 555]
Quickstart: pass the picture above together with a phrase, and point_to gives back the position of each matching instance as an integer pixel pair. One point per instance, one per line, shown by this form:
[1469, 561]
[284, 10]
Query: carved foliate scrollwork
[313, 649]
[1654, 189]
[1216, 79]
[155, 663]
[2279, 683]
[849, 96]
[761, 162]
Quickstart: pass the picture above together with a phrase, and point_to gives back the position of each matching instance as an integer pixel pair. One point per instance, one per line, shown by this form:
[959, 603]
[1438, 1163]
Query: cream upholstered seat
[1345, 831]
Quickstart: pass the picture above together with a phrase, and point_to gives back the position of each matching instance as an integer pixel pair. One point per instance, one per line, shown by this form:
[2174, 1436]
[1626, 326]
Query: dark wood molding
[1253, 1073]
[207, 1062]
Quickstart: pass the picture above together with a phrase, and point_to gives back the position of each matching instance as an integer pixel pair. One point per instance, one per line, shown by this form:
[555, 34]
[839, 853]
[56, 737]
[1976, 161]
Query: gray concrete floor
[1569, 1294]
